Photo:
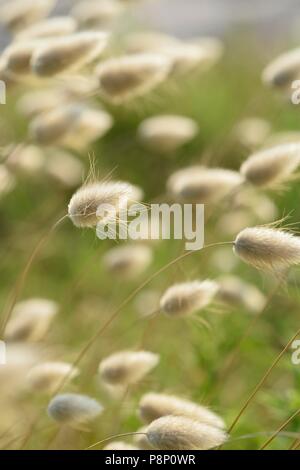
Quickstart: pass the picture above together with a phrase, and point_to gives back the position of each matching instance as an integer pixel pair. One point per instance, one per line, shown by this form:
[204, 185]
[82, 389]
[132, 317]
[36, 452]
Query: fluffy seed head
[271, 166]
[128, 77]
[94, 14]
[37, 102]
[68, 53]
[26, 160]
[64, 168]
[84, 205]
[188, 297]
[187, 57]
[149, 41]
[74, 409]
[234, 291]
[166, 133]
[119, 445]
[203, 185]
[155, 405]
[182, 433]
[17, 58]
[128, 261]
[7, 181]
[283, 70]
[141, 439]
[17, 14]
[30, 320]
[252, 132]
[47, 377]
[127, 367]
[267, 248]
[49, 28]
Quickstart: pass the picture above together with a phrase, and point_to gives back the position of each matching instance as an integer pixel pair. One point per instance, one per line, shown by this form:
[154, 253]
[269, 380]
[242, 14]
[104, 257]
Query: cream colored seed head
[30, 320]
[252, 132]
[17, 58]
[29, 160]
[187, 57]
[33, 103]
[234, 291]
[203, 185]
[119, 445]
[167, 133]
[181, 433]
[49, 28]
[149, 41]
[85, 204]
[128, 77]
[52, 126]
[72, 125]
[18, 14]
[67, 54]
[283, 70]
[267, 248]
[7, 181]
[127, 367]
[187, 298]
[64, 168]
[74, 409]
[91, 125]
[128, 261]
[155, 405]
[271, 166]
[141, 439]
[93, 14]
[48, 376]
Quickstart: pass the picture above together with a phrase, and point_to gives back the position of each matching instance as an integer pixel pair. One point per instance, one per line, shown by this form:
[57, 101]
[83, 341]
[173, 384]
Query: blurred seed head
[64, 168]
[189, 57]
[74, 409]
[188, 297]
[30, 320]
[149, 41]
[127, 367]
[182, 433]
[73, 125]
[28, 160]
[141, 440]
[7, 181]
[95, 14]
[252, 132]
[203, 185]
[85, 202]
[47, 377]
[18, 14]
[17, 58]
[128, 262]
[166, 134]
[128, 77]
[119, 445]
[267, 248]
[36, 102]
[155, 405]
[147, 302]
[283, 70]
[271, 166]
[91, 125]
[68, 53]
[49, 28]
[236, 292]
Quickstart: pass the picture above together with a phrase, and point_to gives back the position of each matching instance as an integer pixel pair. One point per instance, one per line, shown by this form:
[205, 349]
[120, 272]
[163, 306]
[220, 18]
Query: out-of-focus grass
[69, 268]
